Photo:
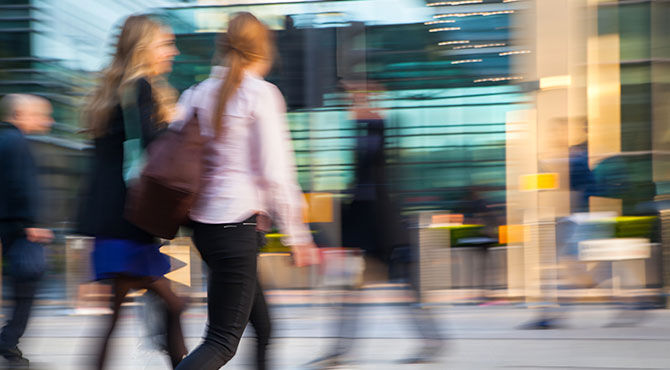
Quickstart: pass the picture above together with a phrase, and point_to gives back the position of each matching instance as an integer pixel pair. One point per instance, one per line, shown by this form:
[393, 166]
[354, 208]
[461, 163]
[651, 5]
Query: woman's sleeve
[278, 177]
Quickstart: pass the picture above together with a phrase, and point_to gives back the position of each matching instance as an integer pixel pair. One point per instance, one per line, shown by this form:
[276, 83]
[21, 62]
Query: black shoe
[14, 356]
[326, 362]
[544, 324]
[428, 354]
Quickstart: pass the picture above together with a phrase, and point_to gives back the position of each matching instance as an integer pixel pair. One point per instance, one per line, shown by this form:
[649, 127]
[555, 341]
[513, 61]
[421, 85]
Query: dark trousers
[260, 320]
[349, 315]
[378, 229]
[230, 253]
[23, 295]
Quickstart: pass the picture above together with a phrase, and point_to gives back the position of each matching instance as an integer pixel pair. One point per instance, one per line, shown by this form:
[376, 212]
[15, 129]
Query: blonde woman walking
[132, 103]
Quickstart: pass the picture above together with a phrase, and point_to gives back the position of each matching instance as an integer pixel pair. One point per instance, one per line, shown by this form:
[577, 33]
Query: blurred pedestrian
[477, 211]
[126, 111]
[374, 224]
[249, 170]
[22, 241]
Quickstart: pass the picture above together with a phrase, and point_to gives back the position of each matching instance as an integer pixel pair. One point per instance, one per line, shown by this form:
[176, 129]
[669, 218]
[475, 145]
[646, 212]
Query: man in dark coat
[21, 238]
[374, 224]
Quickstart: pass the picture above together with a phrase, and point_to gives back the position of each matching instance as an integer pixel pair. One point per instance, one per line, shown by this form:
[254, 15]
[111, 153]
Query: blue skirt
[113, 257]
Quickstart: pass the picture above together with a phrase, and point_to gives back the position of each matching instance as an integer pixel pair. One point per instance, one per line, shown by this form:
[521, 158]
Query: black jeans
[23, 294]
[230, 253]
[260, 316]
[260, 320]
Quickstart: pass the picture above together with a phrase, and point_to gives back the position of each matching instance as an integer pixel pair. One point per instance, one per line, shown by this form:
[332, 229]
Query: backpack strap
[179, 125]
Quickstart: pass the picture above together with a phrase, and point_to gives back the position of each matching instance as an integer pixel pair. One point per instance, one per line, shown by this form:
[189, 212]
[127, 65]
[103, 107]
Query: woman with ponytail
[250, 173]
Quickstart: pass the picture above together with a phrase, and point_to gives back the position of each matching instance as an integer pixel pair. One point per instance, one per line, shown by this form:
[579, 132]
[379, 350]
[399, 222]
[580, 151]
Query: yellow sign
[319, 207]
[510, 234]
[539, 181]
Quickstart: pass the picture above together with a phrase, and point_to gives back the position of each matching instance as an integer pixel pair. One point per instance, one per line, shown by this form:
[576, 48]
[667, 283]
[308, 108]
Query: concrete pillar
[538, 139]
[604, 99]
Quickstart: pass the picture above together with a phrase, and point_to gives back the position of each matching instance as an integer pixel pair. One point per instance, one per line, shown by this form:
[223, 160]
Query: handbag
[26, 260]
[160, 200]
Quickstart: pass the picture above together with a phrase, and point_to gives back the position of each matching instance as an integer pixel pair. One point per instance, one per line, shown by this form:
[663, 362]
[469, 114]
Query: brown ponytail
[247, 40]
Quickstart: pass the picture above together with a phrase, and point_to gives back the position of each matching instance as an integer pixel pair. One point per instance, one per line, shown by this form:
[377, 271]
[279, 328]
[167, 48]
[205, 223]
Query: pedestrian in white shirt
[249, 171]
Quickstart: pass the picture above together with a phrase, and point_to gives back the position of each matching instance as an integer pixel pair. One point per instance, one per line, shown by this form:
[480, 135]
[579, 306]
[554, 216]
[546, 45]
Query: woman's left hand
[305, 254]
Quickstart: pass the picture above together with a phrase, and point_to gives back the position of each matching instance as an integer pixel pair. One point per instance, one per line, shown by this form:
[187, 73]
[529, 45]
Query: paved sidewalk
[480, 338]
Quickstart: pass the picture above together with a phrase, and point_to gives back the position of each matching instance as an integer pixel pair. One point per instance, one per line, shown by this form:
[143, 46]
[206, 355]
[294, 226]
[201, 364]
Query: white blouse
[250, 168]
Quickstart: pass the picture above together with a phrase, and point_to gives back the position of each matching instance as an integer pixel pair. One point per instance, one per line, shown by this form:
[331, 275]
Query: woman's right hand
[305, 254]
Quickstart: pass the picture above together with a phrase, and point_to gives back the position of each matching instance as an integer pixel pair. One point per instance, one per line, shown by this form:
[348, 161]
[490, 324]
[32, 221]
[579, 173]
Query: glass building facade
[444, 102]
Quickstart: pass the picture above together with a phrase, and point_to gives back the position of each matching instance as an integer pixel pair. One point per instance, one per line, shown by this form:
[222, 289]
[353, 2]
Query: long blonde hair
[247, 40]
[130, 63]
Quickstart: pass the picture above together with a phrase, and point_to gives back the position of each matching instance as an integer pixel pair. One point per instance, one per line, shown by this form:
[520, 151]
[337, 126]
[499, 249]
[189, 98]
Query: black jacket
[18, 187]
[102, 211]
[373, 221]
